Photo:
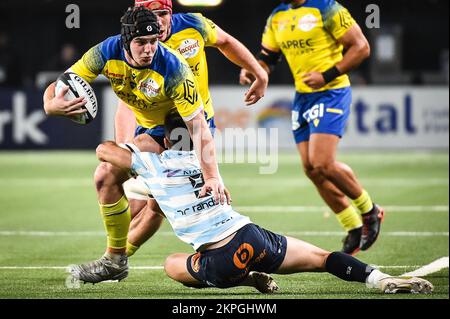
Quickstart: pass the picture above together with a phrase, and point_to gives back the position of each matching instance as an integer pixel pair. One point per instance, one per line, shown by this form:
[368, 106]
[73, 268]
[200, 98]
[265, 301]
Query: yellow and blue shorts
[321, 113]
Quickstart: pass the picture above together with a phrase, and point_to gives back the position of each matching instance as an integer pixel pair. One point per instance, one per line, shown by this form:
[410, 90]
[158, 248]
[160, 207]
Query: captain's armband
[270, 58]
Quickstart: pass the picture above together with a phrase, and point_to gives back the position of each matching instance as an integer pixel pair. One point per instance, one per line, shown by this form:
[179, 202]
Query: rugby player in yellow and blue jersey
[189, 34]
[154, 80]
[312, 35]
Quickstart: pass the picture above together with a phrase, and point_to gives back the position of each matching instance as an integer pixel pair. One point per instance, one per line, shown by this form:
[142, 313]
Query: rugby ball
[78, 87]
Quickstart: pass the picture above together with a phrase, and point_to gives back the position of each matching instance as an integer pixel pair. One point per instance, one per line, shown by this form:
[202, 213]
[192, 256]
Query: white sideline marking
[65, 267]
[429, 269]
[293, 181]
[433, 267]
[169, 233]
[307, 209]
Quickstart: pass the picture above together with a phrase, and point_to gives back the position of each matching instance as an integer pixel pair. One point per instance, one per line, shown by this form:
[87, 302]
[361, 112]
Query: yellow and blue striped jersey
[150, 92]
[191, 33]
[307, 35]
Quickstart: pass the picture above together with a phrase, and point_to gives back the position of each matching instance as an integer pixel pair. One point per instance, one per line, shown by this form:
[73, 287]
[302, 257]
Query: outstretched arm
[237, 53]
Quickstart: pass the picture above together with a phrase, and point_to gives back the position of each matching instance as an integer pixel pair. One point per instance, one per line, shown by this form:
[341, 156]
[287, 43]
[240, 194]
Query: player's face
[165, 23]
[143, 49]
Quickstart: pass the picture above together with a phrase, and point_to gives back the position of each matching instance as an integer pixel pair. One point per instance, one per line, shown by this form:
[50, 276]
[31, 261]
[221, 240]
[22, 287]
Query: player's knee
[173, 267]
[102, 149]
[323, 168]
[309, 171]
[104, 176]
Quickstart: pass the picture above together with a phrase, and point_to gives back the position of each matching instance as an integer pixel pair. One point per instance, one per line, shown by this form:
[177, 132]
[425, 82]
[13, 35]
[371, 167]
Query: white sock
[373, 280]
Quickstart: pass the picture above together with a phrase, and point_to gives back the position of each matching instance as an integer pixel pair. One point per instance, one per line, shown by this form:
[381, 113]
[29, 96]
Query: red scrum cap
[155, 4]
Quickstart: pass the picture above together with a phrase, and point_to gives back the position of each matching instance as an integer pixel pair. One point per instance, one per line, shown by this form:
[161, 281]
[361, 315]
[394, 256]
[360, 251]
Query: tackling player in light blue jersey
[230, 250]
[175, 180]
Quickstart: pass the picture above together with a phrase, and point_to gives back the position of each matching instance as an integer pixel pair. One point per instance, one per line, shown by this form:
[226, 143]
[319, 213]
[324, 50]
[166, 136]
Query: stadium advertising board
[24, 125]
[381, 117]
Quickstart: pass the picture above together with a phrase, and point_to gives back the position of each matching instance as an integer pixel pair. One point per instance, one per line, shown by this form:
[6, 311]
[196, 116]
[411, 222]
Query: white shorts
[135, 188]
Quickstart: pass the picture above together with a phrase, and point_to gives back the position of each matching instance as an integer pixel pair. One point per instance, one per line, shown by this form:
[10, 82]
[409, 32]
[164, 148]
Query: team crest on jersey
[308, 22]
[189, 48]
[150, 87]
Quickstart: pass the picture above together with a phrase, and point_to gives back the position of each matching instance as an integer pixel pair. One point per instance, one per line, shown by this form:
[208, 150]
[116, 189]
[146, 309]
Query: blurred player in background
[153, 80]
[230, 250]
[312, 35]
[189, 34]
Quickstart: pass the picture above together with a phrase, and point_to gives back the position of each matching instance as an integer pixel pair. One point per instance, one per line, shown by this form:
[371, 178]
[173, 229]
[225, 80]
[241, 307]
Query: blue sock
[347, 267]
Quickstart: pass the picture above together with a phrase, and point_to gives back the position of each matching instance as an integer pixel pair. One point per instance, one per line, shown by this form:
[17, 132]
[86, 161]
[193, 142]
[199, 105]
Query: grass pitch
[50, 219]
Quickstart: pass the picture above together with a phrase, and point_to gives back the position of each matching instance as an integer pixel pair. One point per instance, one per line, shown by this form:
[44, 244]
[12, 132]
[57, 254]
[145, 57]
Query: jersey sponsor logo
[171, 173]
[113, 75]
[308, 22]
[189, 48]
[132, 100]
[243, 255]
[297, 44]
[195, 69]
[192, 172]
[150, 88]
[190, 92]
[207, 204]
[314, 114]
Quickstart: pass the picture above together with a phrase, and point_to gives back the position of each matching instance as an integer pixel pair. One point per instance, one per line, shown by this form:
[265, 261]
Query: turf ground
[49, 219]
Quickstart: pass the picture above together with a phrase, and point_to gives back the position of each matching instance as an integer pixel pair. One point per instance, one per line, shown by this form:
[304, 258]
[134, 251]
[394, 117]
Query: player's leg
[322, 156]
[144, 225]
[333, 197]
[136, 205]
[115, 212]
[327, 114]
[176, 268]
[304, 257]
[146, 219]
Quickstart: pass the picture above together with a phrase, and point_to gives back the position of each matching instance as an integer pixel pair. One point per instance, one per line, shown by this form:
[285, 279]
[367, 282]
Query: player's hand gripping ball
[78, 87]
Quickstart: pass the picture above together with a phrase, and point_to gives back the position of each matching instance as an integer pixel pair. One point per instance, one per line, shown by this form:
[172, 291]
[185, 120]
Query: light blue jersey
[175, 179]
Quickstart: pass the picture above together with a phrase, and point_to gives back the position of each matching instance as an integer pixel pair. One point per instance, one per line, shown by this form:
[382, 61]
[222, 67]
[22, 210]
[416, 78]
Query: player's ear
[167, 144]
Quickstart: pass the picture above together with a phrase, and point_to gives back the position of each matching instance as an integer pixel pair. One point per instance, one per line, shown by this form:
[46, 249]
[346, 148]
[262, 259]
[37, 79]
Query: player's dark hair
[137, 22]
[177, 133]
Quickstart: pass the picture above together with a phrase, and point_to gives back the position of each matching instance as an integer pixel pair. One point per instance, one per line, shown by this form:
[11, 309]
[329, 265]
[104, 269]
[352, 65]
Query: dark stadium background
[36, 30]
